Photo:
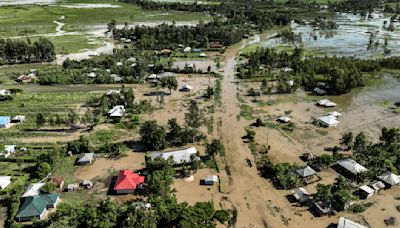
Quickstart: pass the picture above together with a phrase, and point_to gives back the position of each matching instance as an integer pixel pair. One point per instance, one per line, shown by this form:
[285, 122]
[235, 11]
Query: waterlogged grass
[246, 112]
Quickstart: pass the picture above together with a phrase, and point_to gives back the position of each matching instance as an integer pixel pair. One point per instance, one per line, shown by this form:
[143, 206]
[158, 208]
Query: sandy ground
[103, 166]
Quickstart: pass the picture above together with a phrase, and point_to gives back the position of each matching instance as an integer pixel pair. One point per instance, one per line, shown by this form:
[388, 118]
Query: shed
[306, 172]
[321, 208]
[366, 191]
[5, 181]
[390, 179]
[283, 119]
[187, 49]
[92, 75]
[87, 184]
[5, 121]
[86, 159]
[210, 180]
[203, 54]
[334, 114]
[309, 156]
[18, 119]
[117, 111]
[377, 185]
[179, 156]
[301, 195]
[328, 121]
[347, 223]
[326, 103]
[8, 150]
[186, 88]
[72, 187]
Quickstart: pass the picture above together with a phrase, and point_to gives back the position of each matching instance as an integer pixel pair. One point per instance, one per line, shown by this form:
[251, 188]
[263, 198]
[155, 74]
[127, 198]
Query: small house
[390, 179]
[86, 159]
[131, 59]
[5, 92]
[8, 150]
[119, 64]
[92, 75]
[87, 184]
[113, 91]
[209, 180]
[328, 121]
[178, 156]
[196, 50]
[18, 119]
[58, 181]
[308, 156]
[306, 172]
[5, 121]
[203, 55]
[334, 114]
[326, 103]
[26, 78]
[366, 191]
[187, 49]
[72, 187]
[186, 88]
[301, 195]
[321, 208]
[347, 223]
[116, 112]
[351, 167]
[377, 185]
[283, 119]
[5, 181]
[128, 182]
[33, 189]
[36, 207]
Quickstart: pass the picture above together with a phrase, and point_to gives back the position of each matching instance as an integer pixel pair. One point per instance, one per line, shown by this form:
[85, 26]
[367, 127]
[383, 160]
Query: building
[347, 223]
[328, 121]
[186, 88]
[85, 159]
[178, 156]
[326, 103]
[308, 156]
[390, 179]
[5, 121]
[203, 55]
[18, 119]
[27, 78]
[187, 49]
[5, 181]
[116, 112]
[209, 180]
[366, 191]
[377, 185]
[58, 181]
[301, 195]
[87, 184]
[33, 189]
[127, 182]
[72, 187]
[306, 172]
[351, 167]
[165, 74]
[283, 119]
[321, 208]
[36, 207]
[334, 114]
[5, 92]
[319, 91]
[8, 150]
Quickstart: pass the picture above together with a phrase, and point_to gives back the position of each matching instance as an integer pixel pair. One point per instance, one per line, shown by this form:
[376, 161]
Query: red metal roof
[127, 180]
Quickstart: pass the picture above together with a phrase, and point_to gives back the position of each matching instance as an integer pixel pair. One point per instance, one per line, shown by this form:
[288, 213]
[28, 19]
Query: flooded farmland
[351, 38]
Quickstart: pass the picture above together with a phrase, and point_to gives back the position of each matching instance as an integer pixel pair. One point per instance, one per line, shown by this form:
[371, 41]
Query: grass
[66, 169]
[246, 112]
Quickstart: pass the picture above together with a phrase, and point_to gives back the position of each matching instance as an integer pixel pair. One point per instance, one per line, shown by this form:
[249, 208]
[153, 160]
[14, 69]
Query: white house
[328, 121]
[117, 111]
[334, 114]
[33, 189]
[326, 103]
[179, 156]
[5, 181]
[8, 150]
[347, 223]
[18, 119]
[283, 119]
[389, 178]
[366, 191]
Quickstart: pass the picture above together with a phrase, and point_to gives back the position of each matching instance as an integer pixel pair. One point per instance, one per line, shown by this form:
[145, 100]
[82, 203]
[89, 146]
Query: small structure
[366, 191]
[5, 181]
[36, 207]
[116, 77]
[347, 223]
[8, 150]
[319, 91]
[113, 91]
[351, 166]
[5, 92]
[128, 182]
[27, 78]
[179, 156]
[186, 88]
[116, 112]
[209, 180]
[187, 49]
[18, 119]
[72, 187]
[326, 103]
[301, 195]
[196, 50]
[203, 55]
[33, 189]
[92, 75]
[287, 69]
[328, 121]
[119, 64]
[334, 114]
[165, 74]
[86, 184]
[377, 185]
[390, 179]
[86, 159]
[5, 121]
[306, 172]
[321, 208]
[131, 59]
[283, 119]
[58, 181]
[216, 45]
[308, 156]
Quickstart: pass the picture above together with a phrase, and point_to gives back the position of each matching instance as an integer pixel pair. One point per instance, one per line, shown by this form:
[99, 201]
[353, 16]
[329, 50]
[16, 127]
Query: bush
[222, 216]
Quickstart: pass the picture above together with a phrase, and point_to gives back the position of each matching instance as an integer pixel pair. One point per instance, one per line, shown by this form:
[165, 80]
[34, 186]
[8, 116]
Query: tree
[40, 120]
[139, 218]
[42, 169]
[193, 117]
[347, 140]
[323, 193]
[152, 136]
[215, 148]
[360, 145]
[89, 118]
[72, 117]
[48, 188]
[161, 176]
[170, 82]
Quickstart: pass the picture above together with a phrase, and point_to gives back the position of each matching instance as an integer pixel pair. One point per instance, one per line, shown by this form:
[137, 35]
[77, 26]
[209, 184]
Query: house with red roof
[128, 182]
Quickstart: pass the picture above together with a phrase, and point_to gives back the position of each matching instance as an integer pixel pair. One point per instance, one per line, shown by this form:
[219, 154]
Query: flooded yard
[351, 38]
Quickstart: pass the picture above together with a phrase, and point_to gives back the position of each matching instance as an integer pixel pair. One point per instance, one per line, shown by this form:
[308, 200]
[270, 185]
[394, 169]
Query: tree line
[18, 51]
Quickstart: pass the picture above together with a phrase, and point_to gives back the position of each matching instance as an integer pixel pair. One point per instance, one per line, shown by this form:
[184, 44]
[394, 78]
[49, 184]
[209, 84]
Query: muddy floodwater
[24, 2]
[351, 38]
